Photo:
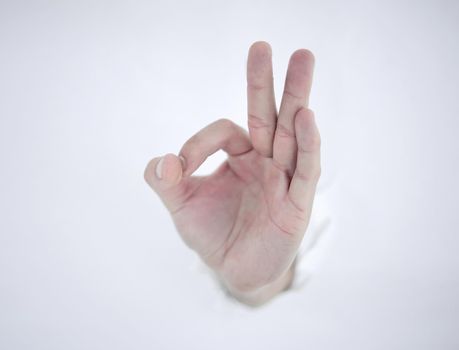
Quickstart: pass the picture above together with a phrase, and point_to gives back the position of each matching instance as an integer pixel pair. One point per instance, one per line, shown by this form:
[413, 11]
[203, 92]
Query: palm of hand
[239, 221]
[247, 219]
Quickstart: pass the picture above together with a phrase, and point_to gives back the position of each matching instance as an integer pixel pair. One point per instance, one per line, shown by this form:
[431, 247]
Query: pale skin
[247, 219]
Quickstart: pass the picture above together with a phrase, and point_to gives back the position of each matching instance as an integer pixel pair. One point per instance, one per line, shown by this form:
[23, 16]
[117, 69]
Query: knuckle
[311, 175]
[256, 122]
[316, 172]
[264, 149]
[283, 132]
[311, 144]
[314, 141]
[225, 123]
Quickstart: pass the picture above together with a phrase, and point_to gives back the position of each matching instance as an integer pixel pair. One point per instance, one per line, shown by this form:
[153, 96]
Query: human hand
[247, 219]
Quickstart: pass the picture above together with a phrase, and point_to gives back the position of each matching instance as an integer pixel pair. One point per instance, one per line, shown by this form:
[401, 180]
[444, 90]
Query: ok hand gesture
[247, 219]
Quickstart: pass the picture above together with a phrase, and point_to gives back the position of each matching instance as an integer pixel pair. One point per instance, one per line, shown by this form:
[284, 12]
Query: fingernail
[159, 168]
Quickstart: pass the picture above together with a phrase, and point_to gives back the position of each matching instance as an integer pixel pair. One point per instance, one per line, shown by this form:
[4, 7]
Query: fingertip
[163, 175]
[261, 47]
[171, 169]
[303, 55]
[308, 136]
[259, 64]
[166, 170]
[299, 75]
[304, 117]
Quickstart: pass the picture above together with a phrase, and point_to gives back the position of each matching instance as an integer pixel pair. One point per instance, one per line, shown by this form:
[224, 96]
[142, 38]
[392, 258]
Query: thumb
[164, 175]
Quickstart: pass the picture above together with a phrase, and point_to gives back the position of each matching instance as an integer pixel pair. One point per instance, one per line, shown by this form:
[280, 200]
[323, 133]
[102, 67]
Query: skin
[247, 219]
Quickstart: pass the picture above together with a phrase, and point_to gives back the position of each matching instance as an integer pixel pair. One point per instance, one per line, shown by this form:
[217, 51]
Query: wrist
[259, 296]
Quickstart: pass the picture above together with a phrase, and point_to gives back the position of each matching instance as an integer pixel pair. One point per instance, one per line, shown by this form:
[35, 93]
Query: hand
[247, 219]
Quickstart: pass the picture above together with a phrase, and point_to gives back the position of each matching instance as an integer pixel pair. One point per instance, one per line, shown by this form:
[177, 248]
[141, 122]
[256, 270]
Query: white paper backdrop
[91, 90]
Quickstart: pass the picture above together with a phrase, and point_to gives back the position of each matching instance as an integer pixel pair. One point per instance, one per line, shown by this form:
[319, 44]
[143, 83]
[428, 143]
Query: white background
[91, 90]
